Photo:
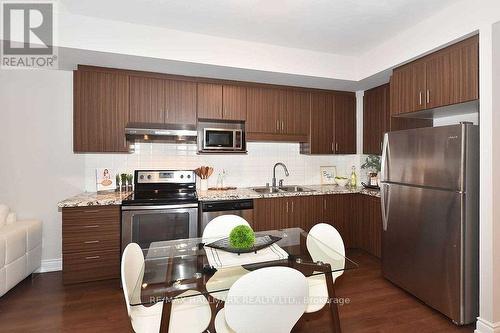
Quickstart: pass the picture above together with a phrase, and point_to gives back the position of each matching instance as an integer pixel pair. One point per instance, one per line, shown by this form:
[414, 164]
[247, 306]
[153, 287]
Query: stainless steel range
[164, 206]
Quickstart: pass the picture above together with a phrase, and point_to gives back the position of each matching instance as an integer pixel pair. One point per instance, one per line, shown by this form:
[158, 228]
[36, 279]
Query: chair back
[270, 299]
[322, 238]
[131, 270]
[221, 226]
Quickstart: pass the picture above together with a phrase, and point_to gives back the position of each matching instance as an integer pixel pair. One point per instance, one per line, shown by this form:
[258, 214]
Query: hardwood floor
[43, 304]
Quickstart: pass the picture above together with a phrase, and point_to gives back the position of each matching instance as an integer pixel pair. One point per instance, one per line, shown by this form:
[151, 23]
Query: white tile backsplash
[253, 169]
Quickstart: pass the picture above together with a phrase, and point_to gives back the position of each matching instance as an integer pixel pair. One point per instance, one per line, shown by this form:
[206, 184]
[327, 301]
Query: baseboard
[50, 265]
[484, 326]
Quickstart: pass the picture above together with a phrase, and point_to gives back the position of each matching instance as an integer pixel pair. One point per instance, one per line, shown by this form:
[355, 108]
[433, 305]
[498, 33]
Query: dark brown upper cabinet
[448, 76]
[376, 113]
[322, 129]
[209, 101]
[296, 113]
[344, 110]
[234, 102]
[332, 124]
[160, 101]
[180, 104]
[147, 100]
[101, 111]
[264, 110]
[221, 102]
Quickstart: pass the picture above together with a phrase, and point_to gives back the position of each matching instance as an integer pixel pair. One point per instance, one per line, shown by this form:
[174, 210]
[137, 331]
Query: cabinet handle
[91, 226]
[94, 257]
[336, 146]
[277, 125]
[324, 204]
[428, 96]
[292, 206]
[332, 147]
[86, 211]
[419, 98]
[166, 113]
[287, 206]
[282, 125]
[91, 242]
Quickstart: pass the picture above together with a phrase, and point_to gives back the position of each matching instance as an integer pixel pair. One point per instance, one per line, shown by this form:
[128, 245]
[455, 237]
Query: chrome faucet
[274, 172]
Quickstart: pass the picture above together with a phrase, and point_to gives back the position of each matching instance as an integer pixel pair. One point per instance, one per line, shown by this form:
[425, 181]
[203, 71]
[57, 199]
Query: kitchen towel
[220, 259]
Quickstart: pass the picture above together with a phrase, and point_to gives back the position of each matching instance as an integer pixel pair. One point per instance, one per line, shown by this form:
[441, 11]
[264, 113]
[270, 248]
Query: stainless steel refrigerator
[430, 198]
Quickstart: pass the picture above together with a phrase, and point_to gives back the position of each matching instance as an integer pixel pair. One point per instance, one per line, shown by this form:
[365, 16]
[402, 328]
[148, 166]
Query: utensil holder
[204, 184]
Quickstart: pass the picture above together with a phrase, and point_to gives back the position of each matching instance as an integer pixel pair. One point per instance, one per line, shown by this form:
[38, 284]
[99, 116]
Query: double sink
[283, 189]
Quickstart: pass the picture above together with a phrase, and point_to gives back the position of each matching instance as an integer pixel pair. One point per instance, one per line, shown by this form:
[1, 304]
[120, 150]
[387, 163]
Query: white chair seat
[221, 325]
[318, 293]
[189, 315]
[224, 279]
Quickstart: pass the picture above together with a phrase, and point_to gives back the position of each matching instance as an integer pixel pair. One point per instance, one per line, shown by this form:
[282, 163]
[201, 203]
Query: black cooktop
[163, 187]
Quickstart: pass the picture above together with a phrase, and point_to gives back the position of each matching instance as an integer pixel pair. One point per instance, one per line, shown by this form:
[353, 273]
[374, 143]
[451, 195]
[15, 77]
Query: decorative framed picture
[327, 174]
[105, 179]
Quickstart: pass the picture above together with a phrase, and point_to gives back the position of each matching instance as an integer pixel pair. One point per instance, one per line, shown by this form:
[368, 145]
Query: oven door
[146, 224]
[218, 139]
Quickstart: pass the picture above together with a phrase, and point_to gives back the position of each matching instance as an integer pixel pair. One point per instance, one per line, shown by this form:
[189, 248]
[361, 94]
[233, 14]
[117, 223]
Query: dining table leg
[332, 303]
[165, 315]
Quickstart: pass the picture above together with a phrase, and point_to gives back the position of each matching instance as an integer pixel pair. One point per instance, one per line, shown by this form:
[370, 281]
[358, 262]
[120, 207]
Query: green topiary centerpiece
[241, 237]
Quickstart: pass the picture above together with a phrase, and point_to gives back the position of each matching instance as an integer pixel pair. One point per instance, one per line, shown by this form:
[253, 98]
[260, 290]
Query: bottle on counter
[354, 177]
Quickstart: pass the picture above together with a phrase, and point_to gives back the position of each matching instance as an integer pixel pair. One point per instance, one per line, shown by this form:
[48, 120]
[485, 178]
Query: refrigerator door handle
[384, 167]
[385, 199]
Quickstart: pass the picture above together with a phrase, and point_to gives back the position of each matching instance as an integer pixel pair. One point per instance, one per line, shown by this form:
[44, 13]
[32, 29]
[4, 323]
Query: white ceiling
[345, 27]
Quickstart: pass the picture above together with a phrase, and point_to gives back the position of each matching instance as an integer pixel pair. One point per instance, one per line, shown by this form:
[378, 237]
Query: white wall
[37, 165]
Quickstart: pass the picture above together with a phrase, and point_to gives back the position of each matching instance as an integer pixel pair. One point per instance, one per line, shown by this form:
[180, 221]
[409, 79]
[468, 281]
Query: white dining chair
[216, 229]
[270, 299]
[188, 315]
[321, 240]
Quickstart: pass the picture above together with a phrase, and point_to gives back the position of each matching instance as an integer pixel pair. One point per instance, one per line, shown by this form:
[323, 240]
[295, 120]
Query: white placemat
[220, 258]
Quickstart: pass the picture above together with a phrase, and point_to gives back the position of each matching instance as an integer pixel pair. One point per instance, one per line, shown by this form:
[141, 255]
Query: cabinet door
[369, 230]
[296, 113]
[408, 88]
[234, 102]
[439, 80]
[101, 112]
[209, 101]
[465, 67]
[376, 113]
[264, 108]
[322, 131]
[180, 102]
[268, 214]
[339, 213]
[147, 100]
[345, 123]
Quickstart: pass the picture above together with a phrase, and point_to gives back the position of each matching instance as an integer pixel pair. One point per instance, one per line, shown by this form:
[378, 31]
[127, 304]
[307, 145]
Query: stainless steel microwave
[223, 139]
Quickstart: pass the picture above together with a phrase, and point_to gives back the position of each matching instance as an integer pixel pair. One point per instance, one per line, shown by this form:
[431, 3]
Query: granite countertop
[247, 193]
[85, 199]
[115, 198]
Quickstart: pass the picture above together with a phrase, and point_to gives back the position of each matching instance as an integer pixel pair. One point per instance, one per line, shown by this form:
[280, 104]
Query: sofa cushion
[2, 253]
[4, 212]
[15, 272]
[34, 259]
[15, 241]
[3, 281]
[33, 232]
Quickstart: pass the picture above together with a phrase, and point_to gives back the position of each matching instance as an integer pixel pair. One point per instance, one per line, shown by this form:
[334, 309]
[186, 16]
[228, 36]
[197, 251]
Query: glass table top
[173, 268]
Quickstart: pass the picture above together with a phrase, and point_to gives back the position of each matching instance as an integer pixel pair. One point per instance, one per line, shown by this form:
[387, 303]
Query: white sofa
[20, 248]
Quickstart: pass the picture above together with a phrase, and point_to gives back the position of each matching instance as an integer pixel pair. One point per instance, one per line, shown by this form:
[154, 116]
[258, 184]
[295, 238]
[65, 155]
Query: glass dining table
[171, 268]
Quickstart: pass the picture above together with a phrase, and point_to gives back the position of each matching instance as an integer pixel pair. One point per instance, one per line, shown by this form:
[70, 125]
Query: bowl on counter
[341, 181]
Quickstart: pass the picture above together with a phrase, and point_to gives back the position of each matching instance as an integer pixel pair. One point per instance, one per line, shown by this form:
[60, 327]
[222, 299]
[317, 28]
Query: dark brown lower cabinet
[90, 243]
[357, 217]
[368, 231]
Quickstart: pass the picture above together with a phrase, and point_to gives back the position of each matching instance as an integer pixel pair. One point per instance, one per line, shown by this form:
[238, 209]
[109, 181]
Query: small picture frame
[105, 179]
[328, 174]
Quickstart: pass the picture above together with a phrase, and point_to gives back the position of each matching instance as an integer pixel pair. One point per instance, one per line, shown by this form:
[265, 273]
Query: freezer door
[430, 157]
[421, 244]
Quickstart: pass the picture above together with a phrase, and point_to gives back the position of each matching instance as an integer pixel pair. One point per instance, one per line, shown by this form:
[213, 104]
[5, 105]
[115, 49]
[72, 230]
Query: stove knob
[149, 177]
[189, 176]
[182, 176]
[141, 177]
